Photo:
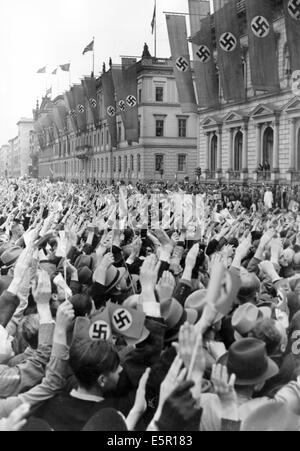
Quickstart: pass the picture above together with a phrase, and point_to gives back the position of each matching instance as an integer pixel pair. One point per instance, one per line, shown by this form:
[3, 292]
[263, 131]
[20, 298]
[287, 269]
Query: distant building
[4, 160]
[25, 129]
[167, 147]
[237, 138]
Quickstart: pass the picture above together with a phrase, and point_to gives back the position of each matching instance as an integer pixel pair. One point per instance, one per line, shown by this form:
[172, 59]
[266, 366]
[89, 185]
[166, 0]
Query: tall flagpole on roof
[155, 33]
[93, 55]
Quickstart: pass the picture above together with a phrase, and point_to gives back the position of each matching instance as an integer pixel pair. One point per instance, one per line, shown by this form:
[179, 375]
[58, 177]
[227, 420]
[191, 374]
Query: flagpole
[93, 55]
[155, 32]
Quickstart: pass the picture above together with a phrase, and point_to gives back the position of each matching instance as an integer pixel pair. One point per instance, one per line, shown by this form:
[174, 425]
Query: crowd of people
[117, 314]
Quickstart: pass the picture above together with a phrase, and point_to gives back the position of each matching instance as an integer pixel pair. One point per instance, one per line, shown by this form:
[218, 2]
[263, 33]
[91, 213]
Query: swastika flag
[229, 52]
[262, 45]
[292, 21]
[181, 60]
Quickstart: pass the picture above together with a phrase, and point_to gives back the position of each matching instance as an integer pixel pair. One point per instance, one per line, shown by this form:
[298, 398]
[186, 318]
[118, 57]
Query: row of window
[267, 150]
[159, 128]
[160, 163]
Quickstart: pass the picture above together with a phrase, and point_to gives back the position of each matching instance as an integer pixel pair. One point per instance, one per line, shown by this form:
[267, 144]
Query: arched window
[120, 164]
[213, 153]
[131, 163]
[238, 151]
[268, 142]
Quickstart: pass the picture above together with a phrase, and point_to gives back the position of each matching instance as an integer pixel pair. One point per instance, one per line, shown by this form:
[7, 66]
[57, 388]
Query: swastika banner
[292, 21]
[229, 52]
[79, 97]
[110, 105]
[262, 45]
[71, 107]
[204, 64]
[182, 64]
[129, 96]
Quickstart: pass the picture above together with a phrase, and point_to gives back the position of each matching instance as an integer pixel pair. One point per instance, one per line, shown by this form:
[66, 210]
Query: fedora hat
[245, 318]
[248, 360]
[11, 255]
[113, 277]
[196, 301]
[172, 312]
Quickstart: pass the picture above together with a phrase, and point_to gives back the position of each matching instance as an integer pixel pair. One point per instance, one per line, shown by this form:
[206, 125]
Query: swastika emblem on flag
[122, 319]
[111, 111]
[122, 105]
[131, 101]
[260, 26]
[228, 42]
[81, 109]
[182, 64]
[99, 330]
[294, 9]
[93, 103]
[203, 54]
[72, 113]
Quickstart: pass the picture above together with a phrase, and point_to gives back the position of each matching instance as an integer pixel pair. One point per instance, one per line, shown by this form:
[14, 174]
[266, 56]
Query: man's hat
[11, 255]
[127, 322]
[248, 360]
[245, 318]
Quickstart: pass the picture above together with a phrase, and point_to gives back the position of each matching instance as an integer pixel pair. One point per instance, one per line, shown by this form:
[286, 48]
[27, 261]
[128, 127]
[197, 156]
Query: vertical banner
[262, 45]
[229, 52]
[79, 98]
[117, 75]
[131, 103]
[90, 91]
[72, 112]
[181, 62]
[205, 67]
[292, 23]
[110, 105]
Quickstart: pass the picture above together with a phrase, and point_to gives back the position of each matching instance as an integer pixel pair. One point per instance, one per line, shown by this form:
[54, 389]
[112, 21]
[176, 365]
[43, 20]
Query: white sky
[36, 33]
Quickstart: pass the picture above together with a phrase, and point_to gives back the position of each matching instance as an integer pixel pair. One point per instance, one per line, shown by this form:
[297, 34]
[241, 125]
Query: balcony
[83, 152]
[263, 176]
[234, 176]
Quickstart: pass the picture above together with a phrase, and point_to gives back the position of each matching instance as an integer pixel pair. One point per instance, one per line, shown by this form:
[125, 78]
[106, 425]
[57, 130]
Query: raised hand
[149, 272]
[224, 388]
[165, 286]
[42, 288]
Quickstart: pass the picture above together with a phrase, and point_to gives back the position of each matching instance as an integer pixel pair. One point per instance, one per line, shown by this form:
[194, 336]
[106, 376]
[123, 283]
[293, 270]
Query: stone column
[275, 169]
[292, 144]
[219, 153]
[258, 146]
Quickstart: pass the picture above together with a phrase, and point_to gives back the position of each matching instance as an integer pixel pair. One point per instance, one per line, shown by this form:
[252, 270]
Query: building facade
[4, 160]
[167, 147]
[237, 140]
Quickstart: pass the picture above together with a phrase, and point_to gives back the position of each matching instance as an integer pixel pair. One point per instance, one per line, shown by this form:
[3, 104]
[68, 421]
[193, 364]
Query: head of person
[267, 331]
[29, 329]
[248, 360]
[95, 364]
[250, 287]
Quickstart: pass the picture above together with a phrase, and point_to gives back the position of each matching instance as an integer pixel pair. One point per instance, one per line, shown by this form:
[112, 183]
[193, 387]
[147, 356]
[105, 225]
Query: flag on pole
[65, 67]
[262, 45]
[49, 91]
[153, 19]
[42, 70]
[54, 72]
[110, 105]
[89, 48]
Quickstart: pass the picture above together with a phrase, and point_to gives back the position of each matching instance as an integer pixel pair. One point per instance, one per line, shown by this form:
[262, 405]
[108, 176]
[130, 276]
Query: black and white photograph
[150, 218]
